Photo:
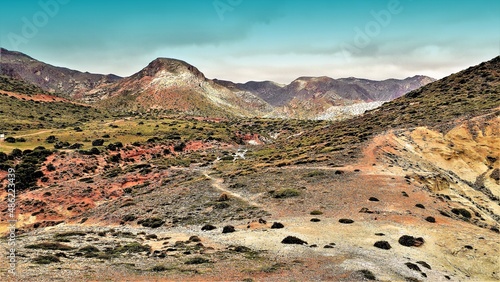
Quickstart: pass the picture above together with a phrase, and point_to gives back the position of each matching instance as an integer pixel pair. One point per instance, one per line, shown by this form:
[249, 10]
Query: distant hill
[70, 83]
[176, 86]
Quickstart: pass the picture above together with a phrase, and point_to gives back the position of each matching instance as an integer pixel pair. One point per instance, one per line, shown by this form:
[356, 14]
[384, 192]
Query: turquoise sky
[243, 40]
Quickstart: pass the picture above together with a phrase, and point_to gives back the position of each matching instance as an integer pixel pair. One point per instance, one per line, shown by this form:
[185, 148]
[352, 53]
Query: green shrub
[50, 246]
[286, 193]
[197, 260]
[153, 222]
[316, 212]
[46, 259]
[134, 247]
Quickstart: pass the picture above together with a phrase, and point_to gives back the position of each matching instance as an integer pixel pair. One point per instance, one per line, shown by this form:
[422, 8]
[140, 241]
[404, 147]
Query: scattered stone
[424, 264]
[293, 240]
[328, 247]
[313, 246]
[404, 194]
[495, 229]
[315, 220]
[365, 210]
[469, 247]
[373, 199]
[262, 221]
[410, 241]
[463, 212]
[430, 219]
[228, 229]
[346, 221]
[367, 274]
[208, 227]
[379, 234]
[420, 206]
[332, 244]
[338, 172]
[277, 225]
[242, 249]
[413, 266]
[223, 198]
[443, 213]
[382, 245]
[194, 239]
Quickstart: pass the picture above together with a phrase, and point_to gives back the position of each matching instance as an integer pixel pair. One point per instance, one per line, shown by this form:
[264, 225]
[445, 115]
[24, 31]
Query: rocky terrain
[405, 192]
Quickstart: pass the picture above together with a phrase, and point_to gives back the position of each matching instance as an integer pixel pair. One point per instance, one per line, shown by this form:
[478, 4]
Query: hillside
[59, 80]
[406, 192]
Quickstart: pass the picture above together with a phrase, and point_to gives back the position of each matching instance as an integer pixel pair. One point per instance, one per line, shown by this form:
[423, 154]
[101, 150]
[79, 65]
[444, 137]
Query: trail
[36, 133]
[217, 183]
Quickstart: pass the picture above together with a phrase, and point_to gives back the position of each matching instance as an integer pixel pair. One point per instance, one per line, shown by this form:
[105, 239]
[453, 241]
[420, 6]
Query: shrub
[51, 139]
[50, 246]
[463, 212]
[115, 158]
[98, 142]
[153, 222]
[316, 212]
[197, 260]
[51, 167]
[129, 217]
[46, 259]
[134, 247]
[10, 140]
[286, 193]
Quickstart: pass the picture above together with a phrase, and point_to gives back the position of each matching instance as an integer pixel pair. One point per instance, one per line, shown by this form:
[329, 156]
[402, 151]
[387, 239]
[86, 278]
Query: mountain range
[175, 86]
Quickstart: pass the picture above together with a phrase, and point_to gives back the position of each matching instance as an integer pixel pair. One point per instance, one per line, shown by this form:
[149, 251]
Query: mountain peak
[169, 65]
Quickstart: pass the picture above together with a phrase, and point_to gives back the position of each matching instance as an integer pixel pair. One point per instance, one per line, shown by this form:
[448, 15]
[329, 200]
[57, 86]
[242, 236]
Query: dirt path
[36, 133]
[217, 183]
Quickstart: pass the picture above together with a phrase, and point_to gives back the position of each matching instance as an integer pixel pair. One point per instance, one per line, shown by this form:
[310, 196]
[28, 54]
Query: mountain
[70, 83]
[325, 97]
[174, 85]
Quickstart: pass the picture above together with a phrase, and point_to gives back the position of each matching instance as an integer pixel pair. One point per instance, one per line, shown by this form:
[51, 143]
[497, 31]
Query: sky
[243, 40]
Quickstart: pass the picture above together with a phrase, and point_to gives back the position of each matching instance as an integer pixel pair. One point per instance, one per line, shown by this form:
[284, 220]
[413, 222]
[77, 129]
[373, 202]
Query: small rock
[430, 219]
[223, 198]
[410, 241]
[424, 264]
[413, 266]
[228, 229]
[420, 206]
[328, 247]
[346, 221]
[262, 221]
[208, 227]
[277, 225]
[373, 199]
[293, 240]
[194, 239]
[315, 220]
[382, 245]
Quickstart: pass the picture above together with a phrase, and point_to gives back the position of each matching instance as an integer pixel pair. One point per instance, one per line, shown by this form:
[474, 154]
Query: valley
[183, 180]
